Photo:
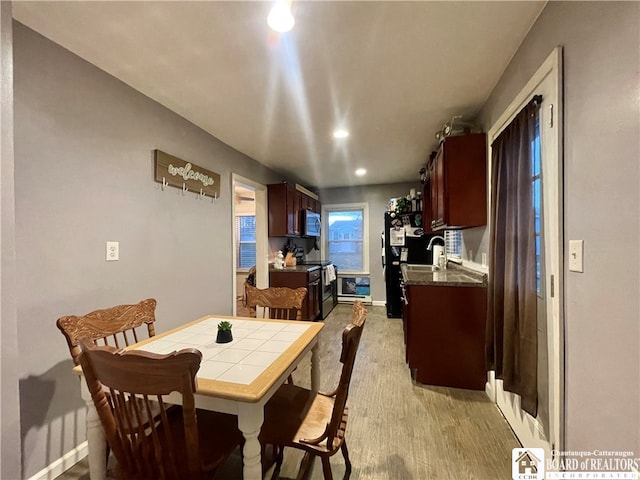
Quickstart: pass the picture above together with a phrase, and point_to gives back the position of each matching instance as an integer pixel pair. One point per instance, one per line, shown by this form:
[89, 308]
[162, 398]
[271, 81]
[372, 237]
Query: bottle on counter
[442, 262]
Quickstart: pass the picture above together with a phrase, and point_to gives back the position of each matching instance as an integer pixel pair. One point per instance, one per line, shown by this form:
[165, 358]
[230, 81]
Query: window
[346, 237]
[453, 243]
[536, 180]
[246, 247]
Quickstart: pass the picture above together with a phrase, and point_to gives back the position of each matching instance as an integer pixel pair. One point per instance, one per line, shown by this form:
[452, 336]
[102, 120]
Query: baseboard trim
[352, 298]
[62, 464]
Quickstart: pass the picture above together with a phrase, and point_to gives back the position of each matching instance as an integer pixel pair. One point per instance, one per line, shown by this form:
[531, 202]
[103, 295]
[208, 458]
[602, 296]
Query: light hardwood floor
[397, 429]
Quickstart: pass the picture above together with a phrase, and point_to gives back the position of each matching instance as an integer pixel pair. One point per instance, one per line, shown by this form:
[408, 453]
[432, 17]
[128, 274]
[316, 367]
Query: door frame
[262, 239]
[524, 426]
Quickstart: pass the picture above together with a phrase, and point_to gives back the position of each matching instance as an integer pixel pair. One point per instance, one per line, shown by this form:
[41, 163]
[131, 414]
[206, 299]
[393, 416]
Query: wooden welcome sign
[173, 171]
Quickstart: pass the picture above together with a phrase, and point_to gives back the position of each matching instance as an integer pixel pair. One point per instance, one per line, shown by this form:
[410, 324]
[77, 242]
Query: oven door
[328, 295]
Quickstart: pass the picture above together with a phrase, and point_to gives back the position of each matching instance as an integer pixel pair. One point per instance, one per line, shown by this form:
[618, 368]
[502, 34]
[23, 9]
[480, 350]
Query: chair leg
[305, 466]
[326, 469]
[279, 457]
[345, 454]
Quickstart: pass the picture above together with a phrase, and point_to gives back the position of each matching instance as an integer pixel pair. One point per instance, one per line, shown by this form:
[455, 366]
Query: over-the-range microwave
[311, 223]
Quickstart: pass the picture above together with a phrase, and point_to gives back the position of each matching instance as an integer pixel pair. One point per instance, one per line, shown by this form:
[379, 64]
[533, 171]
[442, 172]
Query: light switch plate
[576, 249]
[113, 251]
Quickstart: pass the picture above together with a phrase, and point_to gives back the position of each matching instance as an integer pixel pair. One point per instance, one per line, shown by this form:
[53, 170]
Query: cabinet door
[438, 194]
[296, 208]
[278, 211]
[446, 335]
[458, 183]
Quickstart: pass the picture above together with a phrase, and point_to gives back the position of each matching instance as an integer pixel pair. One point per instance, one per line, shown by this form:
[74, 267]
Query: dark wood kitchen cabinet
[458, 183]
[301, 277]
[309, 203]
[285, 204]
[427, 213]
[284, 210]
[444, 334]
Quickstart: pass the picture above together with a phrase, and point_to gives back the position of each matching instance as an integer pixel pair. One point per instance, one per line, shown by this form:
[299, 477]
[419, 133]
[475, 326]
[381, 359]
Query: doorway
[250, 237]
[544, 431]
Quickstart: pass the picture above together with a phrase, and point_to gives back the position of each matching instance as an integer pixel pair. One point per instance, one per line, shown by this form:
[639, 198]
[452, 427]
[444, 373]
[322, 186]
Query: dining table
[238, 377]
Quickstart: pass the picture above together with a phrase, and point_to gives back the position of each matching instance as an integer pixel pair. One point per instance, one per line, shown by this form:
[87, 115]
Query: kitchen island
[444, 326]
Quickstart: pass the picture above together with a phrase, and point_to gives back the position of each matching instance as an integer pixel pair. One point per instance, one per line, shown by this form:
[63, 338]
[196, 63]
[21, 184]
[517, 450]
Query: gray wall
[84, 175]
[377, 196]
[601, 43]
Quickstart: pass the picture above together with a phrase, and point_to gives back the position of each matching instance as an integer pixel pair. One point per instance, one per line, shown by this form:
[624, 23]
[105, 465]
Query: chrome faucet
[438, 237]
[442, 261]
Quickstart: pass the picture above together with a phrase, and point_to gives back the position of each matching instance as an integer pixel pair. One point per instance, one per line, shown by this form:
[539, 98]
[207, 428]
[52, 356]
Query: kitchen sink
[415, 267]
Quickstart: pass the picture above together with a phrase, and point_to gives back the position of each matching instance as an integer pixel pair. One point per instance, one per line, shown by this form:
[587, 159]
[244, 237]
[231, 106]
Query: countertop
[453, 276]
[297, 268]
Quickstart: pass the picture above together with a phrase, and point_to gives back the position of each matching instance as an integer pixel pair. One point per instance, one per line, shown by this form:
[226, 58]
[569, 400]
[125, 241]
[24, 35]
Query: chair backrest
[127, 388]
[281, 302]
[115, 326]
[350, 341]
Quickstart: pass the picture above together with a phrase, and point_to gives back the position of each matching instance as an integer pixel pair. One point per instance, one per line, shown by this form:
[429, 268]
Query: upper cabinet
[286, 203]
[455, 189]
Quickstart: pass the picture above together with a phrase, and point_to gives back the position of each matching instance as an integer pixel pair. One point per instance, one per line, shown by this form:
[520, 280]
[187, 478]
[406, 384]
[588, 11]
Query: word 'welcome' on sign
[179, 173]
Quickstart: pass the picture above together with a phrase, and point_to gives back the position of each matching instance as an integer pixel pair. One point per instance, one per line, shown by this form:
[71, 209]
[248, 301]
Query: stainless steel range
[329, 297]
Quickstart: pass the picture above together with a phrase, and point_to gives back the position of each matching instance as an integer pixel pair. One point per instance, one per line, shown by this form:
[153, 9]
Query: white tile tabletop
[256, 344]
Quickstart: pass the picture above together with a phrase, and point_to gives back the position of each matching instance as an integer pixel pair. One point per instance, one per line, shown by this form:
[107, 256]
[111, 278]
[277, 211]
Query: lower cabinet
[301, 278]
[444, 329]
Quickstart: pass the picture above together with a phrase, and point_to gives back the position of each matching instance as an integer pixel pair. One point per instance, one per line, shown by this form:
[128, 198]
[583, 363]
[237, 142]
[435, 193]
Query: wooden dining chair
[277, 302]
[182, 443]
[118, 326]
[282, 303]
[315, 422]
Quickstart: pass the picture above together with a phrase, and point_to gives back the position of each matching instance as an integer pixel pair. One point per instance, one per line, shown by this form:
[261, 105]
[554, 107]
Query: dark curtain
[511, 323]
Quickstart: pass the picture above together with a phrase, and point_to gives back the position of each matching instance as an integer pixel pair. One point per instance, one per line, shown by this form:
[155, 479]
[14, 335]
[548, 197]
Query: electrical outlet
[484, 259]
[113, 251]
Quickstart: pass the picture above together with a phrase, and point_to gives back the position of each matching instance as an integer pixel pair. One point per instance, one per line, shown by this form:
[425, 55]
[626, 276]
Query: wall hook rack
[178, 173]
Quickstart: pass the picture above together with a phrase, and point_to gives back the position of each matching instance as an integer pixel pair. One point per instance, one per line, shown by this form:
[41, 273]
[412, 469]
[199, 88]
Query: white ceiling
[391, 72]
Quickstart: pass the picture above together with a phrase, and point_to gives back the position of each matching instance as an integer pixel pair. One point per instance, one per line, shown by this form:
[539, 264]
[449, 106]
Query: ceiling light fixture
[280, 17]
[340, 133]
[361, 171]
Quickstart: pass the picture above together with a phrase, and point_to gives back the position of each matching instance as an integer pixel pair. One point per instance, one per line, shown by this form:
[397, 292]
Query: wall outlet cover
[113, 251]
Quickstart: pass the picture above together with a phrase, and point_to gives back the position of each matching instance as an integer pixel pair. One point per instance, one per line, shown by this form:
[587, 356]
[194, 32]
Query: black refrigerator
[403, 241]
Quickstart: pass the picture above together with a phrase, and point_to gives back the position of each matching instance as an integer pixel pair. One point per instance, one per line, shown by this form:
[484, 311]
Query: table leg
[250, 418]
[315, 367]
[96, 444]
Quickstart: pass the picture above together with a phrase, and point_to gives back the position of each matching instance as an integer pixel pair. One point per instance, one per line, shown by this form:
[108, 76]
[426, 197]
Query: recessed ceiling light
[361, 171]
[280, 17]
[340, 133]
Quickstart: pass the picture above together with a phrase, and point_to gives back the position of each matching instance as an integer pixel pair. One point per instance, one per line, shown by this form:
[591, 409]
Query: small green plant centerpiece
[224, 332]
